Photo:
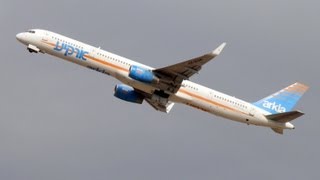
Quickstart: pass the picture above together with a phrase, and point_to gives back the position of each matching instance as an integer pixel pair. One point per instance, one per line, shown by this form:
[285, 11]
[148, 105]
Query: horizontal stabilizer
[285, 117]
[278, 130]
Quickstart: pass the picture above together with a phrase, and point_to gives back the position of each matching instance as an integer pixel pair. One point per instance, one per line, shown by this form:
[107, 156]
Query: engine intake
[127, 93]
[143, 75]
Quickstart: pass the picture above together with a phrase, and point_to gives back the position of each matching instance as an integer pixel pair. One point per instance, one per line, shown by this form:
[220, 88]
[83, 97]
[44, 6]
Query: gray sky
[60, 121]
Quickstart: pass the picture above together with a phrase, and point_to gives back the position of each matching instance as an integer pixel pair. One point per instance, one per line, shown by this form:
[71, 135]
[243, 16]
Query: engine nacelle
[127, 93]
[142, 74]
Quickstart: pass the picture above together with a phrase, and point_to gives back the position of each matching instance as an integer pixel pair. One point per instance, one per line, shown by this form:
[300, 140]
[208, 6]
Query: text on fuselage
[70, 50]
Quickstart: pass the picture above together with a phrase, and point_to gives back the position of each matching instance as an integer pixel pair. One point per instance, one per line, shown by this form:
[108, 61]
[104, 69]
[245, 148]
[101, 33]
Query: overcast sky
[60, 121]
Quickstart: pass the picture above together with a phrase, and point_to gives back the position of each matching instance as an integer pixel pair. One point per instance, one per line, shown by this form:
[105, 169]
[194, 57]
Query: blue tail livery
[283, 100]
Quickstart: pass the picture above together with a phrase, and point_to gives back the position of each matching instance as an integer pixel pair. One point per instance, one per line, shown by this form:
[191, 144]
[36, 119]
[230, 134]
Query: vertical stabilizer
[283, 100]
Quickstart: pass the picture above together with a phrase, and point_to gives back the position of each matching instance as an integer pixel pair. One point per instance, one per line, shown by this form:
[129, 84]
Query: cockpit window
[31, 31]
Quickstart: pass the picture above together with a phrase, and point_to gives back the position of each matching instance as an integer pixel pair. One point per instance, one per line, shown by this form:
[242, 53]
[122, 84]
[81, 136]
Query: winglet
[218, 50]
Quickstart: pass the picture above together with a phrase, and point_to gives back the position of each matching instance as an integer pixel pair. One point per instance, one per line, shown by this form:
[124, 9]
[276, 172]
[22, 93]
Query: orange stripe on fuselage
[106, 63]
[210, 101]
[51, 44]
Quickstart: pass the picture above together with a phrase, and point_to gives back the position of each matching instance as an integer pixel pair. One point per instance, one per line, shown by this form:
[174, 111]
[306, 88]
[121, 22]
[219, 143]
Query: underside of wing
[172, 76]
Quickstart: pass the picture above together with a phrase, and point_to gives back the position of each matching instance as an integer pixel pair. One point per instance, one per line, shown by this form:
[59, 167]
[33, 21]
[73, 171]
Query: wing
[172, 76]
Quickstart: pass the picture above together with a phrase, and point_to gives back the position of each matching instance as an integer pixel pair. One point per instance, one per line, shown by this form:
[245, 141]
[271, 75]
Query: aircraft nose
[20, 37]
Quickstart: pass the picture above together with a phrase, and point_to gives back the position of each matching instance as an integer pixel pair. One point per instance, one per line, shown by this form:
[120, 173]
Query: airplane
[163, 87]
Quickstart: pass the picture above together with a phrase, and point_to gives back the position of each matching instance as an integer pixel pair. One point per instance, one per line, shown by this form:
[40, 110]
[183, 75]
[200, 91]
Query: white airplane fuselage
[190, 93]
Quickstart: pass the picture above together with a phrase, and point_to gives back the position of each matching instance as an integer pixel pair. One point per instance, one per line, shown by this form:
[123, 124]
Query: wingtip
[219, 49]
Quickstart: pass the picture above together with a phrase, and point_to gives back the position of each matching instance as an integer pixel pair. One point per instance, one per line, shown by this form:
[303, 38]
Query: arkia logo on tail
[274, 106]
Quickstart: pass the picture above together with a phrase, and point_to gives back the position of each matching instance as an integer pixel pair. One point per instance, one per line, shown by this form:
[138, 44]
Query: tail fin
[283, 100]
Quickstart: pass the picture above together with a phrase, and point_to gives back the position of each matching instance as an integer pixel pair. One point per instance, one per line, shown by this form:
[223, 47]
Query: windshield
[31, 31]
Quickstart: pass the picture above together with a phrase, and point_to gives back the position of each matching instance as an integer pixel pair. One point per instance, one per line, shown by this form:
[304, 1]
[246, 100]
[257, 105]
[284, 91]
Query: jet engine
[142, 74]
[127, 93]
